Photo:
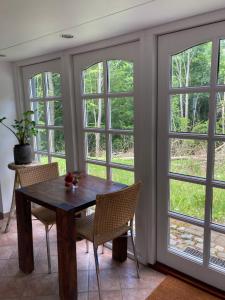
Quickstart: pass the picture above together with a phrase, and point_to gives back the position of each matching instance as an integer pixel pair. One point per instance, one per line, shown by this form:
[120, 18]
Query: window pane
[43, 159]
[219, 163]
[121, 76]
[36, 86]
[192, 67]
[39, 112]
[94, 113]
[52, 84]
[122, 176]
[188, 157]
[122, 149]
[217, 250]
[218, 206]
[96, 146]
[93, 79]
[55, 113]
[96, 170]
[187, 198]
[220, 113]
[57, 144]
[61, 164]
[41, 140]
[122, 113]
[189, 112]
[186, 238]
[221, 73]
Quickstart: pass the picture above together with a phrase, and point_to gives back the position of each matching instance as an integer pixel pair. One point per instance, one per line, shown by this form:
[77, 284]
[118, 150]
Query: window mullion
[107, 120]
[210, 150]
[46, 116]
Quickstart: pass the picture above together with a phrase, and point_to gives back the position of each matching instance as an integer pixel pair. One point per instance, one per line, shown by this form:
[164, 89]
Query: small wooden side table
[14, 167]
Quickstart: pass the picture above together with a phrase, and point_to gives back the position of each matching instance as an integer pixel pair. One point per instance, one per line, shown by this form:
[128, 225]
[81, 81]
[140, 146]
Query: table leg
[67, 262]
[15, 186]
[119, 251]
[24, 231]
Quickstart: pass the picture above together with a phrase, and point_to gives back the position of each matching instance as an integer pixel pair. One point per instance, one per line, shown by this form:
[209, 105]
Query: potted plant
[23, 130]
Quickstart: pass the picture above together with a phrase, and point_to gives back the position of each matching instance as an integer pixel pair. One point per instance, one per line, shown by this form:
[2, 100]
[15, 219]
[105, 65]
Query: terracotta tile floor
[118, 280]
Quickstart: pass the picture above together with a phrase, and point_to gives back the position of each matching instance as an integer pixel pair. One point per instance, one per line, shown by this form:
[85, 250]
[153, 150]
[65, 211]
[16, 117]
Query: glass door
[191, 160]
[106, 88]
[43, 94]
[106, 92]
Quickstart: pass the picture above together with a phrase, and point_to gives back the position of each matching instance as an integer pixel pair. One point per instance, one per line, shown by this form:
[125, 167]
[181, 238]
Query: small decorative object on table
[71, 180]
[23, 130]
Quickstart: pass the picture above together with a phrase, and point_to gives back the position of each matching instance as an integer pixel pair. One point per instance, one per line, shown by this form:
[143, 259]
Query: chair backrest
[115, 210]
[36, 174]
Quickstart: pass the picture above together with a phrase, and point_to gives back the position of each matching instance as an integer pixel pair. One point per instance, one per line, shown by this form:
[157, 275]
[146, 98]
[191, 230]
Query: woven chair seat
[45, 215]
[85, 228]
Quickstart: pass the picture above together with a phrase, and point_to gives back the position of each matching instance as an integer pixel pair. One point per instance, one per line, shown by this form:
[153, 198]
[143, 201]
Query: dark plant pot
[22, 154]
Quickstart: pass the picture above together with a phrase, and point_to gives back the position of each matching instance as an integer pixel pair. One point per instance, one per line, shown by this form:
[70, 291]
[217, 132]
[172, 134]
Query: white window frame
[169, 45]
[82, 62]
[28, 72]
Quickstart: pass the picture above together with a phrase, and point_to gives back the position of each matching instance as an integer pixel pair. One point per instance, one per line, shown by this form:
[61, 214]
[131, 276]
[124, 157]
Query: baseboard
[2, 215]
[195, 282]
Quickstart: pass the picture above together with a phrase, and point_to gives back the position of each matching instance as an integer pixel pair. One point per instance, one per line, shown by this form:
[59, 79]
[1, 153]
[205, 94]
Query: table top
[13, 166]
[53, 193]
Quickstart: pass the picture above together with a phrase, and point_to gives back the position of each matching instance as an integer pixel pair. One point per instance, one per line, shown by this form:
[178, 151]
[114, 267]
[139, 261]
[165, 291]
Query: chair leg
[135, 254]
[97, 269]
[87, 246]
[48, 249]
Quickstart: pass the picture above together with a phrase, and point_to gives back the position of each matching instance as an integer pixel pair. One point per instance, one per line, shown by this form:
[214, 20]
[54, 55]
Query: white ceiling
[33, 27]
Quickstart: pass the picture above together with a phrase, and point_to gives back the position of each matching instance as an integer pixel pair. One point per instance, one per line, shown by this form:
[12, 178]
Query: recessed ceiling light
[2, 55]
[67, 36]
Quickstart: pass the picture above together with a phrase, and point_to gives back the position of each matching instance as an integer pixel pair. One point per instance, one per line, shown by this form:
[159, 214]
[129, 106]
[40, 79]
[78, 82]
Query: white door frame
[168, 45]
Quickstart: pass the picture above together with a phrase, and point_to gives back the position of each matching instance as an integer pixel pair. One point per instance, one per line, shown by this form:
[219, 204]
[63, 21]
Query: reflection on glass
[52, 84]
[94, 113]
[187, 198]
[122, 149]
[36, 86]
[217, 250]
[121, 76]
[122, 113]
[220, 113]
[55, 113]
[221, 71]
[96, 146]
[56, 138]
[39, 112]
[218, 206]
[189, 112]
[186, 238]
[61, 164]
[192, 67]
[219, 161]
[188, 157]
[93, 79]
[42, 140]
[122, 176]
[96, 170]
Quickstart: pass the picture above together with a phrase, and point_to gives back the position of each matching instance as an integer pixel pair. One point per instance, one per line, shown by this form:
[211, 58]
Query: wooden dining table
[54, 195]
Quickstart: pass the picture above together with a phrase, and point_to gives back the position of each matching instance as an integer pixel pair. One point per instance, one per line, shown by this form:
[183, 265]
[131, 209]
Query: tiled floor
[118, 280]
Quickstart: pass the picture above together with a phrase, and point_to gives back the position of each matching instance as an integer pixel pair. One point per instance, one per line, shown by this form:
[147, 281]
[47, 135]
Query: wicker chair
[37, 174]
[113, 217]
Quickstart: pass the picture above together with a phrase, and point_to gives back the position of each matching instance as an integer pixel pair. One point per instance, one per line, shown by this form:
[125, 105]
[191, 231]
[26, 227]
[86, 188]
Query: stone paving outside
[183, 235]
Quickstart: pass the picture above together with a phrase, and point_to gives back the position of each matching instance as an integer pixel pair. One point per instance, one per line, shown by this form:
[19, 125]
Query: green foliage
[23, 129]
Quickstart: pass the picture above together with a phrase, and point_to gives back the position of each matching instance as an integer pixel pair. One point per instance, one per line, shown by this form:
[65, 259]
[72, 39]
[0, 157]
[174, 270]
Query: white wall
[7, 140]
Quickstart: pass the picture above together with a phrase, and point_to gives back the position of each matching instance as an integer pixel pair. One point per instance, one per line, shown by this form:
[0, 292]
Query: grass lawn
[186, 198]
